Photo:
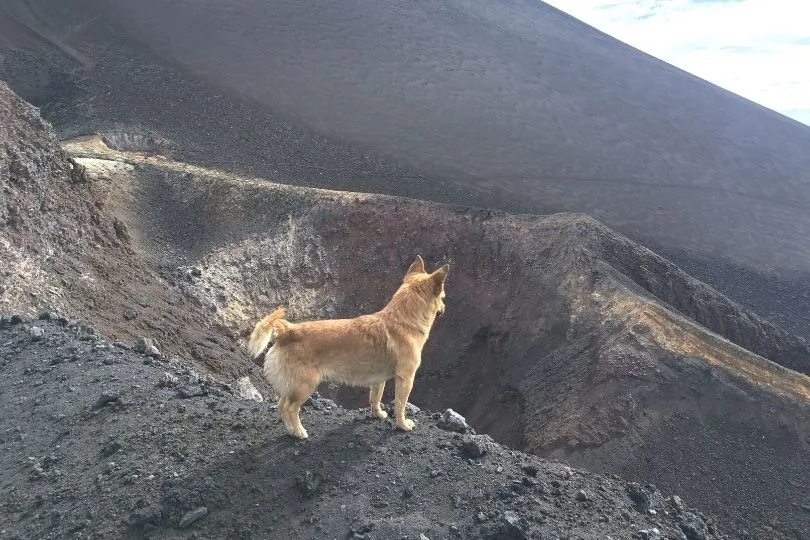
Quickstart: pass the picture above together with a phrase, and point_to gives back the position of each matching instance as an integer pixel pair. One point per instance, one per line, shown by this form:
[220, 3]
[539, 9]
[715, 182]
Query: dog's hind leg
[292, 409]
[404, 384]
[282, 409]
[374, 398]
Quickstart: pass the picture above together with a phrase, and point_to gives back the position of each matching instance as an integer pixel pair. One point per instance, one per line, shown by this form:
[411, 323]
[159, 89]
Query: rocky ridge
[100, 441]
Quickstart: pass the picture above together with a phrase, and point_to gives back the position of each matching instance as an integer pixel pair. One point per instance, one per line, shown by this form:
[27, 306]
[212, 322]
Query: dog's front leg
[404, 384]
[374, 398]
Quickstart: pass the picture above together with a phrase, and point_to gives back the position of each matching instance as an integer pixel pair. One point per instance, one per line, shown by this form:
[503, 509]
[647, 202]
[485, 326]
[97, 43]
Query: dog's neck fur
[409, 307]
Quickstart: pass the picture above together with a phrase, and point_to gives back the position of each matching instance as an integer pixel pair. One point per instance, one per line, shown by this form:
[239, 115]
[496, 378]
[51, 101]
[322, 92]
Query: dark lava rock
[108, 396]
[309, 483]
[191, 391]
[148, 347]
[509, 527]
[149, 516]
[193, 516]
[52, 316]
[645, 498]
[110, 448]
[450, 420]
[475, 446]
[693, 526]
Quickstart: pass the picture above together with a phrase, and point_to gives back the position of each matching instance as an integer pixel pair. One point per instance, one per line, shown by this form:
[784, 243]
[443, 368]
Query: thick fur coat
[365, 351]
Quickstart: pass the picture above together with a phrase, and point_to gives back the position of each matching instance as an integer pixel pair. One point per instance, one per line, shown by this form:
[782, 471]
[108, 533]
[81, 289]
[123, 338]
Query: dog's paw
[406, 425]
[299, 433]
[381, 414]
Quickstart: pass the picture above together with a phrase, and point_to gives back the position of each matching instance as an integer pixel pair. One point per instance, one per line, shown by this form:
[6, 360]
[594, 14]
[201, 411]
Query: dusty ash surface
[510, 105]
[617, 364]
[93, 446]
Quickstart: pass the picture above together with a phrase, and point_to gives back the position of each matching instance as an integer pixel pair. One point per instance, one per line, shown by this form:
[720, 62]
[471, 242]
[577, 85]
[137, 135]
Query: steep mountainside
[61, 249]
[508, 104]
[561, 337]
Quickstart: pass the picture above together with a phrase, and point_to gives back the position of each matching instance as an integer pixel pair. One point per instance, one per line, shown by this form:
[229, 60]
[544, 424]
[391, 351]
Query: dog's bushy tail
[272, 328]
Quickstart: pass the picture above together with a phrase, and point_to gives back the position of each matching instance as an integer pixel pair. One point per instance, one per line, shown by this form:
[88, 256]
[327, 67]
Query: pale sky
[759, 49]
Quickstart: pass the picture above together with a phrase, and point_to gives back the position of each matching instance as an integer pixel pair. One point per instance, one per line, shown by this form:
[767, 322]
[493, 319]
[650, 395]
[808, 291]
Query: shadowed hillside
[508, 104]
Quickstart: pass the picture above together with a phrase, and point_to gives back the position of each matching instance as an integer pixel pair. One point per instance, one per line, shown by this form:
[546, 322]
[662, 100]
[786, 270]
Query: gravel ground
[100, 441]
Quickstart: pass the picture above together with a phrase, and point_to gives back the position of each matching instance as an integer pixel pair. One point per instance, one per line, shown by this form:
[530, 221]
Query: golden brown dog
[364, 351]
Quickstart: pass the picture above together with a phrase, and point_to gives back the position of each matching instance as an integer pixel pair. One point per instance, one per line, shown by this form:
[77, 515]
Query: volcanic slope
[508, 104]
[62, 249]
[103, 442]
[562, 337]
[556, 340]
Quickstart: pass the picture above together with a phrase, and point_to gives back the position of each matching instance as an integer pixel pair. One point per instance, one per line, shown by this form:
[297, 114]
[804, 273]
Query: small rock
[450, 420]
[36, 333]
[148, 347]
[38, 472]
[645, 497]
[582, 495]
[422, 536]
[130, 314]
[693, 526]
[510, 527]
[309, 483]
[319, 403]
[50, 316]
[106, 397]
[15, 319]
[676, 503]
[191, 391]
[192, 516]
[110, 448]
[168, 380]
[362, 528]
[244, 389]
[531, 470]
[475, 446]
[148, 516]
[407, 493]
[410, 408]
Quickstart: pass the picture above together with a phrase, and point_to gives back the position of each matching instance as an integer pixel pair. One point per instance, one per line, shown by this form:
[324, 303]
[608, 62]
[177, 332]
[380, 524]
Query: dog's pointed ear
[417, 266]
[438, 278]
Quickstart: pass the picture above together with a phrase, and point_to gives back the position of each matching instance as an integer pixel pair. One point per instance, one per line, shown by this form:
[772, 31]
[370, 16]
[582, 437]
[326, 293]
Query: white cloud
[759, 49]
